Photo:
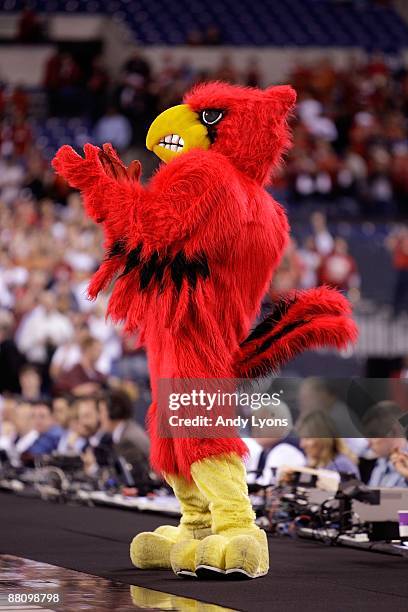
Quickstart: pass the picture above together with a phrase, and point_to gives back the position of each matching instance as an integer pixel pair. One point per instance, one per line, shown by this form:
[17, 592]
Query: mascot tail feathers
[305, 320]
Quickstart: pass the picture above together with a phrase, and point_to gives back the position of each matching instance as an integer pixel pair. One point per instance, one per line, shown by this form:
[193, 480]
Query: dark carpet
[304, 575]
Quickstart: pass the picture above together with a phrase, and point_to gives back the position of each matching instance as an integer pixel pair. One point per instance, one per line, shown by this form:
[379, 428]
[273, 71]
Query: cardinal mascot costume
[191, 255]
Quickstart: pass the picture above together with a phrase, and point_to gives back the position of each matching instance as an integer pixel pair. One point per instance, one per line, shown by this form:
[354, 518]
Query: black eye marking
[211, 116]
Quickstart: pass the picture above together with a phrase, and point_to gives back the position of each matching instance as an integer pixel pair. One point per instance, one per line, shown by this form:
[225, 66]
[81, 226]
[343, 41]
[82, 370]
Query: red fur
[314, 318]
[203, 239]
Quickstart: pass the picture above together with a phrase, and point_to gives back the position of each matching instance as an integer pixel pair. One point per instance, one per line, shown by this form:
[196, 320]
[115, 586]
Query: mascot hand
[115, 168]
[82, 172]
[109, 188]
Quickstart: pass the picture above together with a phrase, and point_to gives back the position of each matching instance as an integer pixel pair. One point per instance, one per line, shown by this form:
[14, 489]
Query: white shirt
[281, 454]
[324, 242]
[26, 441]
[14, 450]
[39, 327]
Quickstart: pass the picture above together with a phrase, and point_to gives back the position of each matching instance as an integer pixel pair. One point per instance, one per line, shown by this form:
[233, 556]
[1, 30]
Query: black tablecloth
[304, 575]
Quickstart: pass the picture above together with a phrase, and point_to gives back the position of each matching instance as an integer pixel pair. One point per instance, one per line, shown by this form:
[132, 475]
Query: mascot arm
[111, 193]
[198, 196]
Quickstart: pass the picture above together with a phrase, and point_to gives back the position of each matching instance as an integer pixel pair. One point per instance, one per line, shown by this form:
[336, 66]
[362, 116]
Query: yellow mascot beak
[176, 131]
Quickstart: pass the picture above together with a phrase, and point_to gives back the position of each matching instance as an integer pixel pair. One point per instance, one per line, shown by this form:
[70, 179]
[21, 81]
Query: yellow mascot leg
[237, 548]
[151, 550]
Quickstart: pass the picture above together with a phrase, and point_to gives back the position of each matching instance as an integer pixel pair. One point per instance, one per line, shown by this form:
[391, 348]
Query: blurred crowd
[47, 255]
[59, 358]
[326, 435]
[350, 137]
[99, 429]
[48, 249]
[350, 133]
[351, 140]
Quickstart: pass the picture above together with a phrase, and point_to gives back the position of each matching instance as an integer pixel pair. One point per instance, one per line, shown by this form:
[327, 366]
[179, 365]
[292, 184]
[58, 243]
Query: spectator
[400, 462]
[129, 439]
[42, 330]
[274, 449]
[61, 410]
[389, 444]
[71, 441]
[62, 82]
[310, 261]
[24, 433]
[85, 371]
[398, 245]
[253, 76]
[287, 276]
[114, 128]
[321, 446]
[137, 65]
[11, 359]
[49, 433]
[89, 424]
[30, 383]
[226, 71]
[134, 95]
[29, 26]
[98, 88]
[21, 135]
[318, 394]
[323, 239]
[11, 174]
[339, 268]
[90, 430]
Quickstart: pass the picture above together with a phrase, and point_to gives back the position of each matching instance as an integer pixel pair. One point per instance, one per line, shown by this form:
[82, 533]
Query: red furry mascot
[191, 255]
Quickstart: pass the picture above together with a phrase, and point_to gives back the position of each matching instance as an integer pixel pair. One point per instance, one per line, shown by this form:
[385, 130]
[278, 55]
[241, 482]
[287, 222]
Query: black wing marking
[153, 269]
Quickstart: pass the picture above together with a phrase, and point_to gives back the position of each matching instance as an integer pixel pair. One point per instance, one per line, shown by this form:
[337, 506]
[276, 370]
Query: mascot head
[247, 125]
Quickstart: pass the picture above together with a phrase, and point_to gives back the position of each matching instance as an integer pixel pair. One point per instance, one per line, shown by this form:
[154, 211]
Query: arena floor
[95, 541]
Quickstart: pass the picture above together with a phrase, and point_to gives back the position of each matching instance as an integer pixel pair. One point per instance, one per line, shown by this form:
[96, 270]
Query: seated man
[71, 442]
[400, 461]
[26, 434]
[276, 447]
[89, 423]
[49, 433]
[30, 383]
[130, 441]
[387, 440]
[85, 371]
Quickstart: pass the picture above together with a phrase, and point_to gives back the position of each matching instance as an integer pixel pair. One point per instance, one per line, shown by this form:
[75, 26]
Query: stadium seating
[247, 22]
[54, 132]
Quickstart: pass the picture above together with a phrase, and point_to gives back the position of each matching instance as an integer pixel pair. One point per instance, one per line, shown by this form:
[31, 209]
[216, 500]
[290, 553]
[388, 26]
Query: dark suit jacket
[134, 445]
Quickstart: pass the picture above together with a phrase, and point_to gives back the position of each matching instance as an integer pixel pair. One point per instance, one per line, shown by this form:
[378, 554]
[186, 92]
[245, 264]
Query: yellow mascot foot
[237, 556]
[237, 549]
[151, 550]
[183, 558]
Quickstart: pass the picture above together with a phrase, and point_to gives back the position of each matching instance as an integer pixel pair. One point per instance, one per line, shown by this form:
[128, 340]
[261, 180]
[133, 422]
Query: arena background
[77, 71]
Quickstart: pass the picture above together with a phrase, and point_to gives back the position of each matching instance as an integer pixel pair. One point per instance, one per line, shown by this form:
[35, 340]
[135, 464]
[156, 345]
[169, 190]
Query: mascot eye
[211, 116]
